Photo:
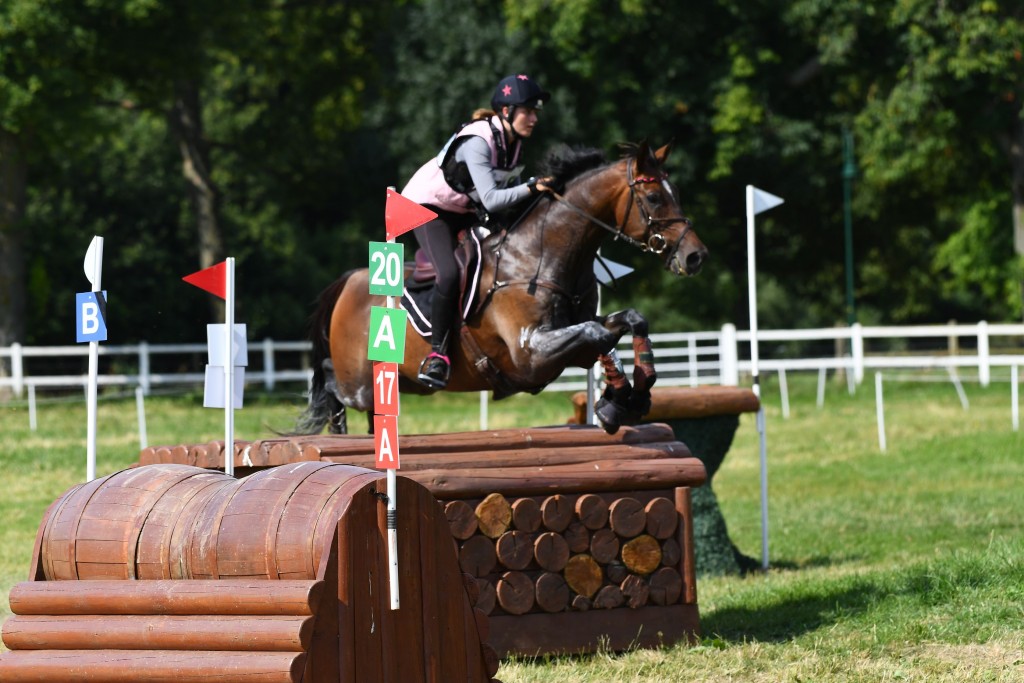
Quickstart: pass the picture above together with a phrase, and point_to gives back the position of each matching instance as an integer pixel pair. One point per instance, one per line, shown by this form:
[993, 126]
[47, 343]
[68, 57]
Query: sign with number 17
[385, 388]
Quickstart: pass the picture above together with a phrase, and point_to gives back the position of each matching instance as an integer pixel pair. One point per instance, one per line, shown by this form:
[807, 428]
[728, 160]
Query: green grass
[898, 566]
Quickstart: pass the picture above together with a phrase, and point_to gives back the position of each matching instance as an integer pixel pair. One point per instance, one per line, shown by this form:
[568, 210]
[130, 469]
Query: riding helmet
[519, 91]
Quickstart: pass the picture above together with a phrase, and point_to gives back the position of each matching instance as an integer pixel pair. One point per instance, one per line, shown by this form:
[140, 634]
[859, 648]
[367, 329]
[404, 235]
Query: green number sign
[387, 268]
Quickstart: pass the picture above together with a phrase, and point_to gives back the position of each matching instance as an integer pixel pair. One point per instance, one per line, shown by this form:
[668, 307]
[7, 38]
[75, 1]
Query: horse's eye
[654, 198]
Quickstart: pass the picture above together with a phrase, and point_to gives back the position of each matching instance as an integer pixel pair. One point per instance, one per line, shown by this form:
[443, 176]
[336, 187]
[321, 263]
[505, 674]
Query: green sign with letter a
[386, 340]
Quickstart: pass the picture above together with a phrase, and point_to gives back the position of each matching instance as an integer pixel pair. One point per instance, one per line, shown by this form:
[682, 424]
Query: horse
[538, 297]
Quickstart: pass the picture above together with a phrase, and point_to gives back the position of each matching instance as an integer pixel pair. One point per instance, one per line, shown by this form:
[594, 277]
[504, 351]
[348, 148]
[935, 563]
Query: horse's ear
[646, 164]
[662, 154]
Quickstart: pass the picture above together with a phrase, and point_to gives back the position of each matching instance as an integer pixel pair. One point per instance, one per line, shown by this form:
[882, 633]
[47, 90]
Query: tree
[46, 80]
[951, 119]
[262, 103]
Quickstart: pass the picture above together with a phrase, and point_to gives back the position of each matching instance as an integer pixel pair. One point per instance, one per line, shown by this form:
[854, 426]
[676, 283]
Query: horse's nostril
[694, 259]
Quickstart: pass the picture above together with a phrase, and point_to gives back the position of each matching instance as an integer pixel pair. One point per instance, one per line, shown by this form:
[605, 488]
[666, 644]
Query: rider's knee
[447, 284]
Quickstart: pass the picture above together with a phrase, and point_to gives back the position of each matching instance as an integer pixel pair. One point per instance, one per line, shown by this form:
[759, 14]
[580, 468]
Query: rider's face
[523, 121]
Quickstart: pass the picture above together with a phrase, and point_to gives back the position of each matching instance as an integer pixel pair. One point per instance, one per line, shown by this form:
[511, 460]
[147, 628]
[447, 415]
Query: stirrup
[435, 370]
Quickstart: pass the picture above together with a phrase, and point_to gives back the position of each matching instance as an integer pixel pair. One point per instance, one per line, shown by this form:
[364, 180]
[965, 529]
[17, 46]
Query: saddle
[418, 291]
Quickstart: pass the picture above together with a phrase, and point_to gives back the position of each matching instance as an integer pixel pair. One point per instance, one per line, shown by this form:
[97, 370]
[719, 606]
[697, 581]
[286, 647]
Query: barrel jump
[176, 573]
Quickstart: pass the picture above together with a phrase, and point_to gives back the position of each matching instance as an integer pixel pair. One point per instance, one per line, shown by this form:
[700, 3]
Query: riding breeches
[438, 238]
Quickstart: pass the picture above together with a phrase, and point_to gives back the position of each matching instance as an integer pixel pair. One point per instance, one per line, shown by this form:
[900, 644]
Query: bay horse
[538, 294]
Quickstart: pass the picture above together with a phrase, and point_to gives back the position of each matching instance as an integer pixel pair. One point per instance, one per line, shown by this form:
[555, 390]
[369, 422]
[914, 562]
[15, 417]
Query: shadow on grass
[785, 619]
[990, 580]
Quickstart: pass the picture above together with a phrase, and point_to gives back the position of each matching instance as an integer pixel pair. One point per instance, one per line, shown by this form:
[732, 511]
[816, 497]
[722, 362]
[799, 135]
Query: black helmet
[519, 91]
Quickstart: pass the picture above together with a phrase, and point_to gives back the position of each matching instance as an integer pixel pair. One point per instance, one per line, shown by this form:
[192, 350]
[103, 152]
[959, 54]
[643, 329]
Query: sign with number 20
[387, 268]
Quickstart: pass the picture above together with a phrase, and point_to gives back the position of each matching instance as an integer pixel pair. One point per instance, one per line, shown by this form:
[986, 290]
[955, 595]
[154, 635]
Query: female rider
[467, 176]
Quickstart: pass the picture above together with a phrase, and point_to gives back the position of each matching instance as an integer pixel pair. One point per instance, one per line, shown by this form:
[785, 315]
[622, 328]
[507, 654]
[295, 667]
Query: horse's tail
[323, 403]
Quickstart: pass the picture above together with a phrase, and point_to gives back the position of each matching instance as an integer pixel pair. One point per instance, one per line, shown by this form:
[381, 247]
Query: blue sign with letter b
[91, 316]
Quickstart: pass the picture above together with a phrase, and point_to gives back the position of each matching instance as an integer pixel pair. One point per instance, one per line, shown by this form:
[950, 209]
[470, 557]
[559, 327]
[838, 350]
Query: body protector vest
[446, 183]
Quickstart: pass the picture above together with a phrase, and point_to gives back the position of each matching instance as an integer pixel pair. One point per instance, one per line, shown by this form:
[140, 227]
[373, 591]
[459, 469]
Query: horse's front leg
[547, 351]
[622, 403]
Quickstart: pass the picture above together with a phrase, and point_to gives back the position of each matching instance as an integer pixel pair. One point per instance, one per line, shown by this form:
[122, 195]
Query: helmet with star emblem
[519, 90]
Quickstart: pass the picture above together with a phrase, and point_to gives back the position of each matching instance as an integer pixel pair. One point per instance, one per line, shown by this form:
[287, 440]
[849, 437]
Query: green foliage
[310, 109]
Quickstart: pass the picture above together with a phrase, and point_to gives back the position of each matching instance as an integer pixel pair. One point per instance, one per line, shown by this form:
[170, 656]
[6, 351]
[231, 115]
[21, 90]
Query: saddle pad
[417, 296]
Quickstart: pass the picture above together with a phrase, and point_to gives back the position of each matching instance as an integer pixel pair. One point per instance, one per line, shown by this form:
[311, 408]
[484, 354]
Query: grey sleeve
[477, 155]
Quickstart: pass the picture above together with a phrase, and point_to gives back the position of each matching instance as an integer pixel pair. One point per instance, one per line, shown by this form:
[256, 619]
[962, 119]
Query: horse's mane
[563, 163]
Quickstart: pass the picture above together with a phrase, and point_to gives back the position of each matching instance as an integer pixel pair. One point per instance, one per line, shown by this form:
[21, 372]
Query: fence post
[17, 369]
[144, 382]
[728, 355]
[984, 370]
[880, 411]
[691, 348]
[784, 392]
[857, 351]
[822, 372]
[268, 363]
[32, 408]
[1014, 398]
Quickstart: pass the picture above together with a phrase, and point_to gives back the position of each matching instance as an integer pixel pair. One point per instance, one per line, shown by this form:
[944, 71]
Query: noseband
[653, 241]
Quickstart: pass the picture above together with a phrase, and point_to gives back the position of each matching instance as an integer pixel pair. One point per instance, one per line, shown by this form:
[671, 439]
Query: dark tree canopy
[279, 124]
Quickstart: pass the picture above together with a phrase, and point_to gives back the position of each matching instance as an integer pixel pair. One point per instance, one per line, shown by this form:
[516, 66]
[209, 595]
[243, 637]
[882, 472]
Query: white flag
[764, 201]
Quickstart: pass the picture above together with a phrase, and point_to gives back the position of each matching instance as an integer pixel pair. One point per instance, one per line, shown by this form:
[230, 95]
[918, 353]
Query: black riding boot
[435, 370]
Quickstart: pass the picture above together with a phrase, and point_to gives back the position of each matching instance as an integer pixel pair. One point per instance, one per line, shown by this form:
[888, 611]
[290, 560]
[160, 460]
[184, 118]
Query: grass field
[902, 566]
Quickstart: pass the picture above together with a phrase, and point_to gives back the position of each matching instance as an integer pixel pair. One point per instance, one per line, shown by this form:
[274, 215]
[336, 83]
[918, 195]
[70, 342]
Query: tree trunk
[13, 171]
[187, 124]
[1016, 150]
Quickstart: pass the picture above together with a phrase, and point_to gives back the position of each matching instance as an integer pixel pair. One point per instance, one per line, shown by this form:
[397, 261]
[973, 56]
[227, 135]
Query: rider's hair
[483, 114]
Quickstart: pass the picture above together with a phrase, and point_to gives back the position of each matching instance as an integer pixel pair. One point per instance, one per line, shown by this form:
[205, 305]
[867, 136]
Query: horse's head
[651, 216]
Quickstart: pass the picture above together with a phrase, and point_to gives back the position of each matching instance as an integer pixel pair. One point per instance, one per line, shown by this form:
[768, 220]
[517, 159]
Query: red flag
[402, 215]
[213, 279]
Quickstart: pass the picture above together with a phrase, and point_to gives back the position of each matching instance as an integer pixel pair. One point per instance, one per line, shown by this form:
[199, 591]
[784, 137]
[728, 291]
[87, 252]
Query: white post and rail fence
[683, 358]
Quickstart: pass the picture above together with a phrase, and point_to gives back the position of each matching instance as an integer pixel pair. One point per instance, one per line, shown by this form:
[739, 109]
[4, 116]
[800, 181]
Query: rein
[654, 241]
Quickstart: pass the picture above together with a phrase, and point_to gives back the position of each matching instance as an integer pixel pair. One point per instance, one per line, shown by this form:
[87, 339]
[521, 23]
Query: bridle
[653, 241]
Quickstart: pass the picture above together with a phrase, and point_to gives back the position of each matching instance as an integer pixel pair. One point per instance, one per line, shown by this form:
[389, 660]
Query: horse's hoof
[609, 414]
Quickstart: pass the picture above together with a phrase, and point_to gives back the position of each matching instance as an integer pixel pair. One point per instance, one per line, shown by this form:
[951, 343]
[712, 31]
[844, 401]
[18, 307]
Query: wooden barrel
[181, 522]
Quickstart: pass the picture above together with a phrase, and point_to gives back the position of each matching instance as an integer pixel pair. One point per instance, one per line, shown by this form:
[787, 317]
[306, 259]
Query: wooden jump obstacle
[577, 539]
[176, 573]
[705, 419]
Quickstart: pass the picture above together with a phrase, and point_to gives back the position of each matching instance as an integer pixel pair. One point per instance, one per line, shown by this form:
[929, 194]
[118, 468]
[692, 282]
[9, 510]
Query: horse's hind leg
[338, 423]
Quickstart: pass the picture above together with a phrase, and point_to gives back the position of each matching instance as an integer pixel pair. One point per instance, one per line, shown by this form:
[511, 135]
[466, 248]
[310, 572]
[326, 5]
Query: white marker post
[94, 273]
[386, 345]
[758, 201]
[229, 367]
[388, 348]
[219, 280]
